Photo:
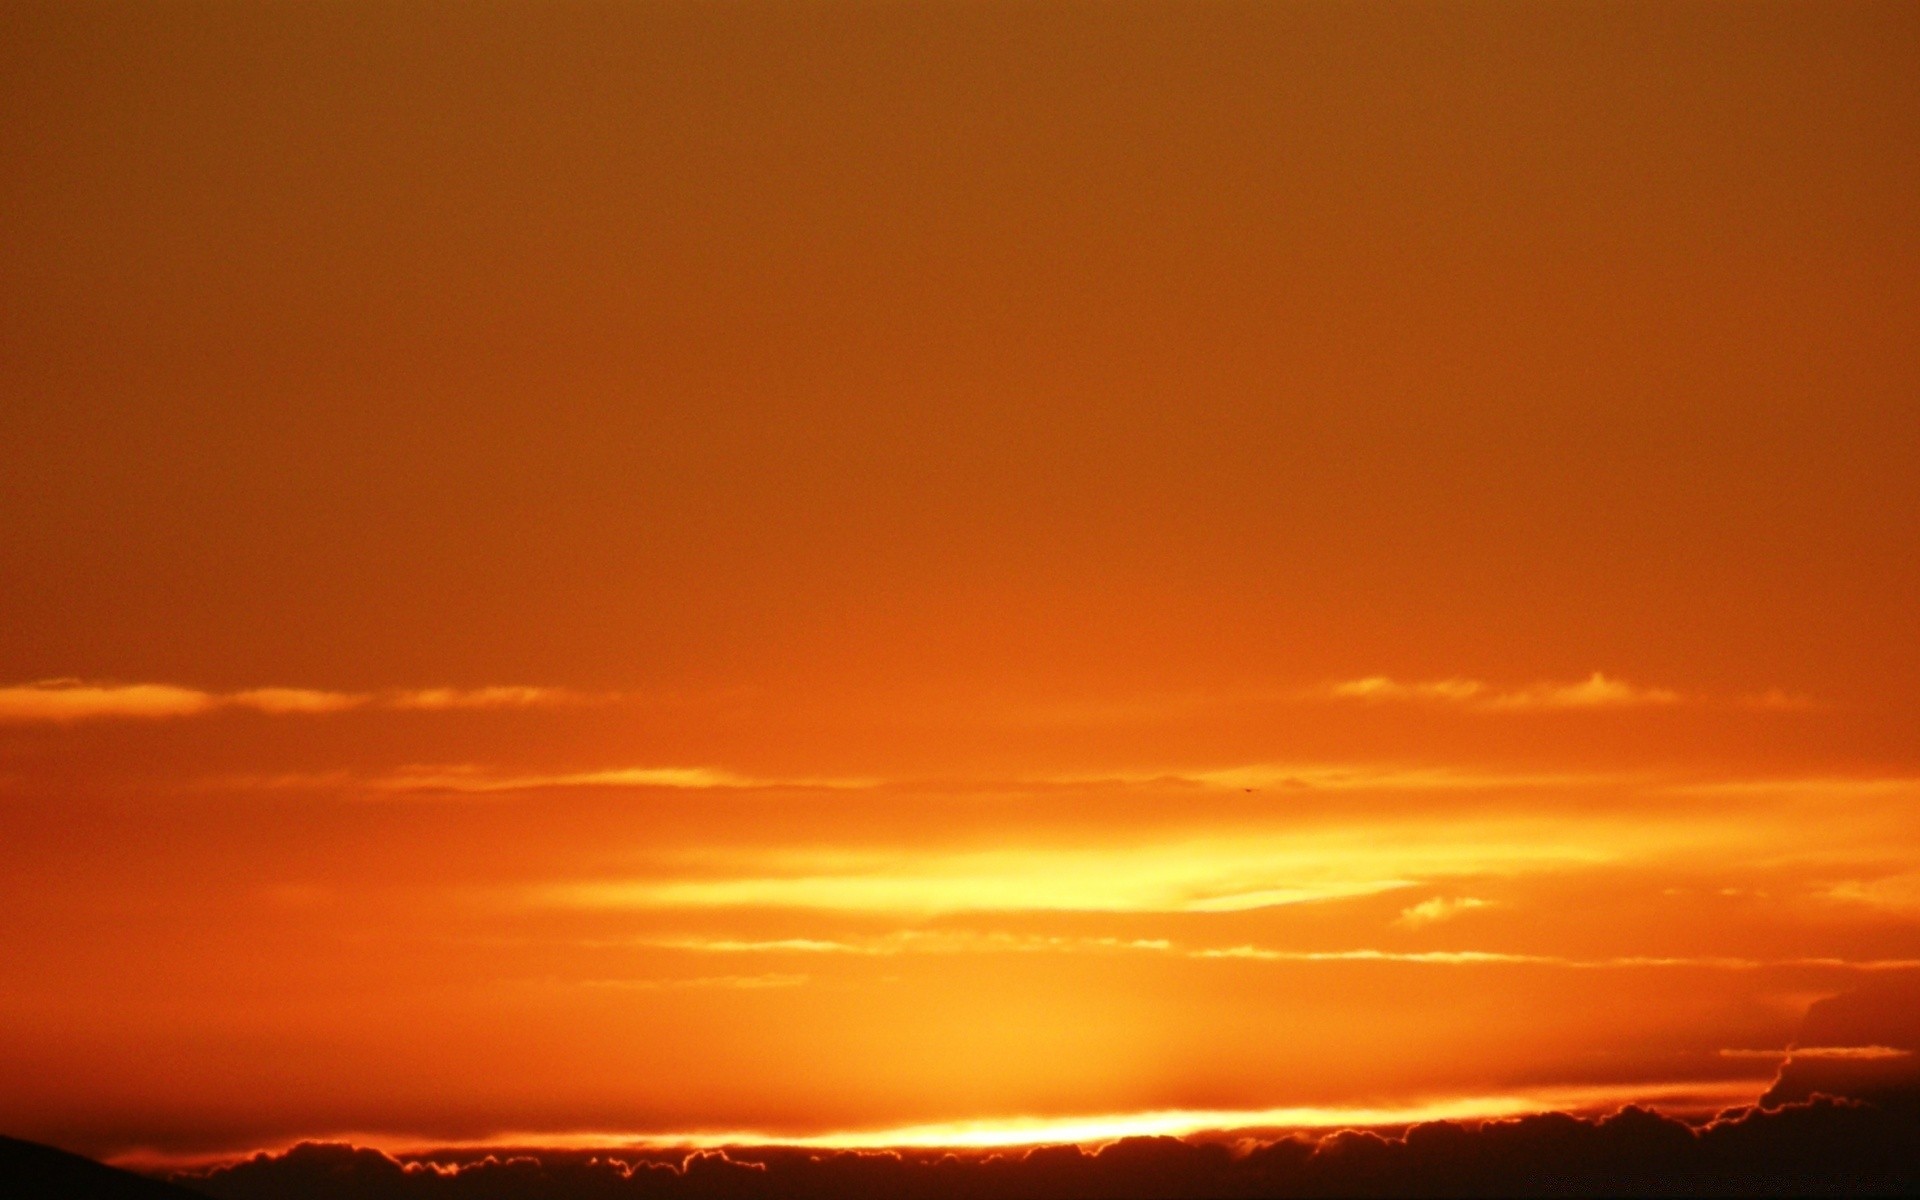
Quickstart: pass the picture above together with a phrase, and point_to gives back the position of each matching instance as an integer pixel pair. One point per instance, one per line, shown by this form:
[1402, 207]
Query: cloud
[64, 701]
[762, 946]
[445, 699]
[1898, 894]
[912, 941]
[926, 941]
[1362, 777]
[477, 780]
[1825, 1146]
[1215, 871]
[1379, 687]
[289, 700]
[1010, 890]
[727, 982]
[1597, 691]
[471, 778]
[1455, 957]
[1841, 788]
[1439, 908]
[1202, 874]
[1871, 1023]
[1847, 1053]
[1624, 961]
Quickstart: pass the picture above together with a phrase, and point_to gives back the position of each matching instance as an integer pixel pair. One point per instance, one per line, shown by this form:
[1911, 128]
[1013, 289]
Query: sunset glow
[952, 575]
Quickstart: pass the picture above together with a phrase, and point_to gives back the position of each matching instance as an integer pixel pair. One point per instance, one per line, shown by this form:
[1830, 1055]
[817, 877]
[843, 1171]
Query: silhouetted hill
[30, 1171]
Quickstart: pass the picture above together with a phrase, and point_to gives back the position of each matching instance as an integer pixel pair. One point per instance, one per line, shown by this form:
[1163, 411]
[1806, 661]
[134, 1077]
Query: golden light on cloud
[1000, 885]
[1254, 869]
[1104, 1128]
[1094, 1130]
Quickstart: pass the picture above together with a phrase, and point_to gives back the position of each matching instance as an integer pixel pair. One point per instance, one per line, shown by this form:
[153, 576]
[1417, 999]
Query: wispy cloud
[1597, 691]
[700, 945]
[1892, 893]
[64, 701]
[919, 941]
[1214, 873]
[1039, 883]
[468, 778]
[1357, 777]
[1439, 908]
[913, 941]
[287, 700]
[726, 982]
[1850, 789]
[1498, 957]
[442, 699]
[1839, 1053]
[1380, 687]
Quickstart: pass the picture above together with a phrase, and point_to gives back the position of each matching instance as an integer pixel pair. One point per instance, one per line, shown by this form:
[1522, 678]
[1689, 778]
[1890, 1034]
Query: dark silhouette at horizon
[1825, 1146]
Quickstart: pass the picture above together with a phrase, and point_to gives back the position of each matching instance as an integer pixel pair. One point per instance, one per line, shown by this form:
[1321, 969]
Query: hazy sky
[804, 568]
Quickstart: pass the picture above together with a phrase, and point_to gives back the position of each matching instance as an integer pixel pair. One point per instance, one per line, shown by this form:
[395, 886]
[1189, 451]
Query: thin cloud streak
[1597, 691]
[908, 942]
[445, 699]
[470, 779]
[61, 701]
[1366, 777]
[1830, 1053]
[1218, 873]
[986, 892]
[1898, 894]
[721, 982]
[913, 941]
[1823, 787]
[66, 701]
[1496, 957]
[464, 778]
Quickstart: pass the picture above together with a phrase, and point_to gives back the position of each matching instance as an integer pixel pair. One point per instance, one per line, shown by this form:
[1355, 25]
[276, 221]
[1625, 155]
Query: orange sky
[822, 569]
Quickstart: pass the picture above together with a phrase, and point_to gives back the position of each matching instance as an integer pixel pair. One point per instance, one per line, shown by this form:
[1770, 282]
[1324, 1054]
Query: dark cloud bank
[1823, 1146]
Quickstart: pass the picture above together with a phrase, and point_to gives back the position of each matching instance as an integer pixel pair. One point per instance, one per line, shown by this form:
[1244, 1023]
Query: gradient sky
[815, 569]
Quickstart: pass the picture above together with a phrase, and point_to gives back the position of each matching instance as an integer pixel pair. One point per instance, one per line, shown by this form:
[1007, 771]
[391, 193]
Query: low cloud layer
[1825, 1147]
